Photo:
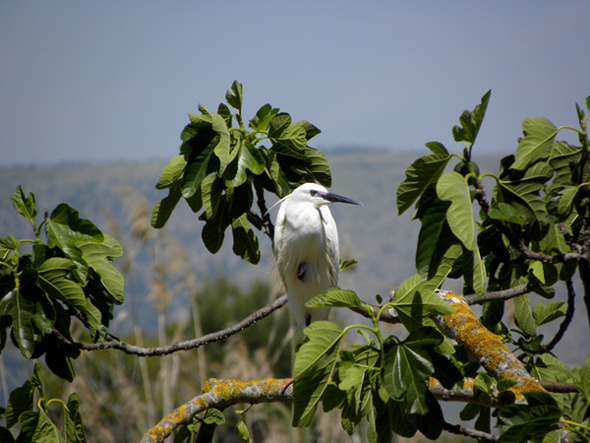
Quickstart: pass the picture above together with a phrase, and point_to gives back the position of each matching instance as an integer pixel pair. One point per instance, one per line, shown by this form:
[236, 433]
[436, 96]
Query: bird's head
[318, 196]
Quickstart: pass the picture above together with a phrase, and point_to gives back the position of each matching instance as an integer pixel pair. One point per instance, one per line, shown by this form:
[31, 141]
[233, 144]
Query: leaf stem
[574, 424]
[569, 127]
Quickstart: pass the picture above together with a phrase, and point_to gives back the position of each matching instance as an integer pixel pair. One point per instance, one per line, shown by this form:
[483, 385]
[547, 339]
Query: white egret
[306, 247]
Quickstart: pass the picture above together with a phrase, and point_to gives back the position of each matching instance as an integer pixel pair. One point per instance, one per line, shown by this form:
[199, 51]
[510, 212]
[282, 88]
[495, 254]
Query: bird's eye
[313, 192]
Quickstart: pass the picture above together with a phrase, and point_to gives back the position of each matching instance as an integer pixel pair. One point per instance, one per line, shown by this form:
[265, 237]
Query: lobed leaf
[337, 298]
[314, 364]
[545, 313]
[21, 399]
[99, 257]
[22, 327]
[419, 175]
[74, 428]
[262, 118]
[172, 173]
[471, 121]
[345, 264]
[214, 230]
[536, 144]
[163, 209]
[434, 238]
[407, 367]
[197, 169]
[25, 206]
[414, 300]
[245, 240]
[234, 95]
[452, 187]
[523, 316]
[46, 431]
[212, 188]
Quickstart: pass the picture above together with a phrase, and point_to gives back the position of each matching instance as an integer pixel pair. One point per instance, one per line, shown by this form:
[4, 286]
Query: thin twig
[569, 239]
[559, 387]
[471, 299]
[518, 245]
[269, 228]
[180, 346]
[571, 294]
[545, 258]
[506, 294]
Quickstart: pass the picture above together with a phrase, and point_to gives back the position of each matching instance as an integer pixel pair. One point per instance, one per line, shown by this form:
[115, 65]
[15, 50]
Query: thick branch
[484, 346]
[180, 346]
[220, 394]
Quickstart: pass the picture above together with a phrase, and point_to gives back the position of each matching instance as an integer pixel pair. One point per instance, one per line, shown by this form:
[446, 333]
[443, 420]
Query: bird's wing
[279, 238]
[332, 246]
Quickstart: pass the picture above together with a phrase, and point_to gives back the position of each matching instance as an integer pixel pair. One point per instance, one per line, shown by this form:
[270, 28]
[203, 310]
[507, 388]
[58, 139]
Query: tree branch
[506, 294]
[566, 321]
[559, 388]
[518, 245]
[471, 299]
[220, 394]
[469, 432]
[269, 228]
[463, 392]
[484, 346]
[140, 351]
[569, 239]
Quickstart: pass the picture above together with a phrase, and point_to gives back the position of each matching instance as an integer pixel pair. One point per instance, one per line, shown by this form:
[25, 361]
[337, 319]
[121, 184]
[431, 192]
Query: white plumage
[306, 248]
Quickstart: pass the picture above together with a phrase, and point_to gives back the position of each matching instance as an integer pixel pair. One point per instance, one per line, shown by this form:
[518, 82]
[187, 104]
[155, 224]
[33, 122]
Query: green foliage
[384, 380]
[71, 274]
[32, 416]
[220, 166]
[537, 213]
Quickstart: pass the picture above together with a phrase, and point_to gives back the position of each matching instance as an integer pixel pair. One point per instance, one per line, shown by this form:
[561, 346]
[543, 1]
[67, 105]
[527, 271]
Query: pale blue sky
[114, 80]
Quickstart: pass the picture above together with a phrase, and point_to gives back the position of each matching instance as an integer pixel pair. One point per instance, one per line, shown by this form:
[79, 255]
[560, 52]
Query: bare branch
[469, 432]
[464, 392]
[506, 294]
[269, 228]
[569, 239]
[140, 351]
[539, 256]
[566, 321]
[471, 299]
[559, 388]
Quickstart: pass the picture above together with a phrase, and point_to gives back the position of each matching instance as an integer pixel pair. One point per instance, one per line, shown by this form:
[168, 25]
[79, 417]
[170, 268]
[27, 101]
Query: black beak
[335, 198]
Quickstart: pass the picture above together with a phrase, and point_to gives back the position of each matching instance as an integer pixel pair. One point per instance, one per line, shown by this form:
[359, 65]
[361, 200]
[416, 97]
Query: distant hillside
[373, 234]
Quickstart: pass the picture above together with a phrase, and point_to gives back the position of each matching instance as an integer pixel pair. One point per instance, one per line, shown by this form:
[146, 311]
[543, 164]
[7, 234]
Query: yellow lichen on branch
[485, 346]
[220, 394]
